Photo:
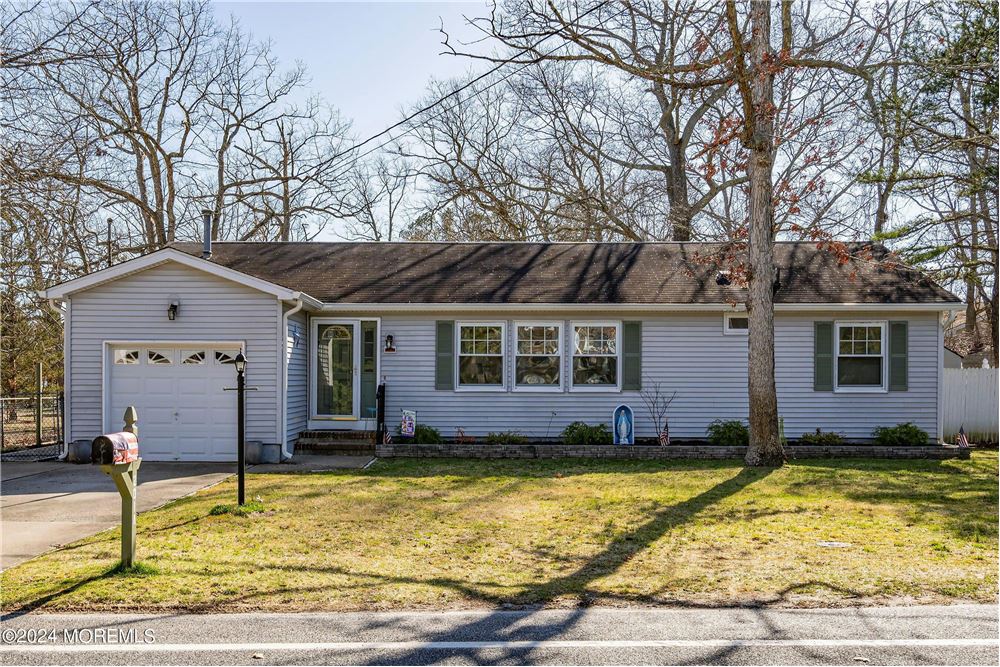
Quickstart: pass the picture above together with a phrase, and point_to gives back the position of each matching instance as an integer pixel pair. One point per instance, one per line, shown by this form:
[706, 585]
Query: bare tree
[376, 199]
[658, 404]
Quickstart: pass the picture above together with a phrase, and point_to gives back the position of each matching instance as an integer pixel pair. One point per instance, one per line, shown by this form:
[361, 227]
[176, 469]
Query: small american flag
[962, 440]
[665, 435]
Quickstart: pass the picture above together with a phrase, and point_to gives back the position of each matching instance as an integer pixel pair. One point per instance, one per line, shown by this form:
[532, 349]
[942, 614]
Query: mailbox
[113, 448]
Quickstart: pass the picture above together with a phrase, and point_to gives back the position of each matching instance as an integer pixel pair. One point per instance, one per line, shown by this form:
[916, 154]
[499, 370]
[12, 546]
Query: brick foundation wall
[559, 451]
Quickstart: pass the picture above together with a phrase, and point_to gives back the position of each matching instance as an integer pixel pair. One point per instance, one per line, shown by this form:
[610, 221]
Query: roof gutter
[623, 307]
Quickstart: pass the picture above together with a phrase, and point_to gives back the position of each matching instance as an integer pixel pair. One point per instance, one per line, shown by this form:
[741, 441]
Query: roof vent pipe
[206, 218]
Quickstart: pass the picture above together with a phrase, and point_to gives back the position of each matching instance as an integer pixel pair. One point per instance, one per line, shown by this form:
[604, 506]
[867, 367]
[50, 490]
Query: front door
[337, 369]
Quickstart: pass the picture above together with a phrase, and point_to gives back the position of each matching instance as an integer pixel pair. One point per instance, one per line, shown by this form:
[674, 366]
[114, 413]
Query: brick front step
[342, 443]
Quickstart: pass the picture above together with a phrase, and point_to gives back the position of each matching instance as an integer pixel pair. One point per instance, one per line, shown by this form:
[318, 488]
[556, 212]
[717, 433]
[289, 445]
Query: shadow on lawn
[117, 570]
[500, 625]
[468, 471]
[961, 497]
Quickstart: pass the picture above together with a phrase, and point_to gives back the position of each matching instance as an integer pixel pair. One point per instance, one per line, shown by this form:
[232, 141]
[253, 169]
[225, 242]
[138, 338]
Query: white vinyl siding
[134, 308]
[687, 352]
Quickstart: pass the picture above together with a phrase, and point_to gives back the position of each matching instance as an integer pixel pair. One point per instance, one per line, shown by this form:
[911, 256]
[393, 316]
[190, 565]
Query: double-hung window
[596, 362]
[538, 356]
[480, 355]
[860, 356]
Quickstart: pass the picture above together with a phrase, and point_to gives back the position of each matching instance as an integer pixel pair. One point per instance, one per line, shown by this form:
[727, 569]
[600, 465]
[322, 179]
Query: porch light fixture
[390, 344]
[172, 310]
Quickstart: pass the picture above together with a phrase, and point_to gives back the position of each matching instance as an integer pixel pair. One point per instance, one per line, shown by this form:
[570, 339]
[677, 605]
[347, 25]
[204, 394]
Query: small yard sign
[622, 425]
[408, 426]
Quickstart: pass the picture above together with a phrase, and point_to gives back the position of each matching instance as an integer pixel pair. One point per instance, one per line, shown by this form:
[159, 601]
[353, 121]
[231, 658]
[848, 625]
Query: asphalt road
[957, 635]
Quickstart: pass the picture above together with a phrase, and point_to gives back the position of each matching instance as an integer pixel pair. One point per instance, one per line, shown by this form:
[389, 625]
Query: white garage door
[184, 414]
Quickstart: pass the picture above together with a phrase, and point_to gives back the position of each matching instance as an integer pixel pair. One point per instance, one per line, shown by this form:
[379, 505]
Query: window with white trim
[160, 357]
[537, 355]
[193, 357]
[596, 360]
[480, 355]
[225, 357]
[735, 324]
[860, 356]
[126, 357]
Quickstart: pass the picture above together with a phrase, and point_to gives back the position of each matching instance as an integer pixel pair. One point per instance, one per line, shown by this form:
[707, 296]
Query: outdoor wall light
[390, 344]
[172, 310]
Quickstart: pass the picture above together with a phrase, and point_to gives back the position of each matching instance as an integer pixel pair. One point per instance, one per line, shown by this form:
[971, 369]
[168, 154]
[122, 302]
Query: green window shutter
[898, 352]
[632, 356]
[822, 356]
[444, 364]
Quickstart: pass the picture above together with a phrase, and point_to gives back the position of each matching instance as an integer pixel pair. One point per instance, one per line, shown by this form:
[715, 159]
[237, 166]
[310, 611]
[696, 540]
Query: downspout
[64, 316]
[285, 454]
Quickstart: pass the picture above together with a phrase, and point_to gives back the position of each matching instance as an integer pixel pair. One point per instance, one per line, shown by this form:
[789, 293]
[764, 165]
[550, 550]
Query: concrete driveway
[44, 505]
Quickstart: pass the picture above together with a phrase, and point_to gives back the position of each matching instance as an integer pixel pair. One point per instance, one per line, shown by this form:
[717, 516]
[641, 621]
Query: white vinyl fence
[971, 399]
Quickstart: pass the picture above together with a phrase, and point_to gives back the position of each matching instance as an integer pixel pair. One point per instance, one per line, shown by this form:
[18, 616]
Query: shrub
[732, 433]
[819, 438]
[900, 434]
[427, 435]
[505, 438]
[579, 433]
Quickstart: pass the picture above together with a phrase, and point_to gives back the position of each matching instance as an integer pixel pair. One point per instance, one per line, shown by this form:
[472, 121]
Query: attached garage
[178, 390]
[156, 332]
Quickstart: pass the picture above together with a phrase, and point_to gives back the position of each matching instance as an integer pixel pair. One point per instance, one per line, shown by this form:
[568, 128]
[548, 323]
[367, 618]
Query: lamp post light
[241, 366]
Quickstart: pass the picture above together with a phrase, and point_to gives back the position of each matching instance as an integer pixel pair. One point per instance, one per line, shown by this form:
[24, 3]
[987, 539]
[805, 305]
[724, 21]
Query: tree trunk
[765, 445]
[677, 194]
[676, 173]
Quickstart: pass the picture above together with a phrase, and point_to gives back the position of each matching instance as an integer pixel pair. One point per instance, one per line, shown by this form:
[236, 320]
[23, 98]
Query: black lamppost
[241, 366]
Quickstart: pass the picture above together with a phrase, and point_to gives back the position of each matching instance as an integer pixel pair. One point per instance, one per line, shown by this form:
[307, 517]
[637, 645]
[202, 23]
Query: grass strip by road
[412, 534]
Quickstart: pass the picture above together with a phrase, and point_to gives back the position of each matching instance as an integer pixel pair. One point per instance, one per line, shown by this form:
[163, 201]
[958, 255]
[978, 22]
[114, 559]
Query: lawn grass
[456, 534]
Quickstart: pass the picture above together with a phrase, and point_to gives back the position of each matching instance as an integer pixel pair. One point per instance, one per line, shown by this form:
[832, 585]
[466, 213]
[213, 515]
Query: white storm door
[336, 369]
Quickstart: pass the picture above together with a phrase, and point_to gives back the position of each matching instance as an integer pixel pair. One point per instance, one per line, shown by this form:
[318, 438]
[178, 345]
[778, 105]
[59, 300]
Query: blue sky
[369, 60]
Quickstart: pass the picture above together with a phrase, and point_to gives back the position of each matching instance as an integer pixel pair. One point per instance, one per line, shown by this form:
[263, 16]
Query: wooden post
[126, 476]
[38, 405]
[130, 418]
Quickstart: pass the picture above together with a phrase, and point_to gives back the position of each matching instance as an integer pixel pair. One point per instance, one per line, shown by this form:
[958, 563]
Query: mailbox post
[118, 456]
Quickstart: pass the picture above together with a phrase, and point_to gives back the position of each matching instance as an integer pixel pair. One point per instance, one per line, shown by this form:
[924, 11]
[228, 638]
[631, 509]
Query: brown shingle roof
[570, 273]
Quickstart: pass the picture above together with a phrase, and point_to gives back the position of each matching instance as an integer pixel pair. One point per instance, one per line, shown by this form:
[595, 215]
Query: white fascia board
[631, 307]
[158, 257]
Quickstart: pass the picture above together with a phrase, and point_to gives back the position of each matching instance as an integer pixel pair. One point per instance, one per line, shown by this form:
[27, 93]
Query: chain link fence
[31, 427]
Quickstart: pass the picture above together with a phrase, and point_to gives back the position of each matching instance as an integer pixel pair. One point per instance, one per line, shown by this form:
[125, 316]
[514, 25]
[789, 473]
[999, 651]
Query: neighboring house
[484, 337]
[975, 350]
[952, 359]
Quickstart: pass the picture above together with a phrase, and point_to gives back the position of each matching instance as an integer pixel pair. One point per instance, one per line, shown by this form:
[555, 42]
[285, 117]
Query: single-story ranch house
[484, 337]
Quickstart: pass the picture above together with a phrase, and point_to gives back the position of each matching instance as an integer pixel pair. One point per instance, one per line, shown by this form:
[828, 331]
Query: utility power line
[451, 94]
